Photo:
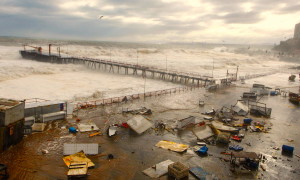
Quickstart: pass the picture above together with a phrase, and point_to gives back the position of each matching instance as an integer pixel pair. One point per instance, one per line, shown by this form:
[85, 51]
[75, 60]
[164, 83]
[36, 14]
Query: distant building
[297, 31]
[292, 45]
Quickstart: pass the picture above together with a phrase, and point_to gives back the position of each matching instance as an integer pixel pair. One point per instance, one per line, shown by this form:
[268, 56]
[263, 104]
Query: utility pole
[50, 49]
[58, 49]
[145, 88]
[137, 57]
[213, 69]
[166, 63]
[237, 70]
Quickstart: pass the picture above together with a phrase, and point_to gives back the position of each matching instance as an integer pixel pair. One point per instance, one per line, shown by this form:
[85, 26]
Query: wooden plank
[78, 169]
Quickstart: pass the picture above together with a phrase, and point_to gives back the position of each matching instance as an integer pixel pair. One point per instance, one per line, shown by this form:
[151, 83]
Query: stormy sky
[212, 21]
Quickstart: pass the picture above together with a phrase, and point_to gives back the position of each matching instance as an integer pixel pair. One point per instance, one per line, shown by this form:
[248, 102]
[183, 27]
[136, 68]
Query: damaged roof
[8, 103]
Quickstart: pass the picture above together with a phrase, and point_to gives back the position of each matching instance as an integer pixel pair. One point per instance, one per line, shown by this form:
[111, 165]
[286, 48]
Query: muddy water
[133, 153]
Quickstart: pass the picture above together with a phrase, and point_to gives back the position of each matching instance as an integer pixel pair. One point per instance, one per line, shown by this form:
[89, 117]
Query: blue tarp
[72, 130]
[203, 150]
[247, 121]
[236, 148]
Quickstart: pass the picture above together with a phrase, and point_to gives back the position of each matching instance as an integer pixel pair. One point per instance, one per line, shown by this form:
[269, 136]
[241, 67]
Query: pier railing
[132, 97]
[123, 68]
[251, 76]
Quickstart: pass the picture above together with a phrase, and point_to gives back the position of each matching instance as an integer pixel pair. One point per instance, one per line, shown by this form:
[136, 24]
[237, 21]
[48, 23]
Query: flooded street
[132, 90]
[134, 153]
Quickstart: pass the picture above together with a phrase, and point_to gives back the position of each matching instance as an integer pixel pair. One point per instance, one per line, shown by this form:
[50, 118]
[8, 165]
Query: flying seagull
[100, 17]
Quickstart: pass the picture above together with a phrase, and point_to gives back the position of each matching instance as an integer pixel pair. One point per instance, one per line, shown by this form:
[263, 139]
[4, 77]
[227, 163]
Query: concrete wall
[40, 110]
[12, 115]
[297, 31]
[11, 135]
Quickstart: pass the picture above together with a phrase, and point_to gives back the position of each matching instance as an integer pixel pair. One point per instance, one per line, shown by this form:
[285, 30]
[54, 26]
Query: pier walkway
[191, 79]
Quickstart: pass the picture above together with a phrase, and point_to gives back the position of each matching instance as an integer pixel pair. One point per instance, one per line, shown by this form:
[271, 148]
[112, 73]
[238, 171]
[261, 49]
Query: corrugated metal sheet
[139, 124]
[91, 148]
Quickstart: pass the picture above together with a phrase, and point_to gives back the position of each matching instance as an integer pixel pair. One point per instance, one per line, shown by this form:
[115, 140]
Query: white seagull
[100, 17]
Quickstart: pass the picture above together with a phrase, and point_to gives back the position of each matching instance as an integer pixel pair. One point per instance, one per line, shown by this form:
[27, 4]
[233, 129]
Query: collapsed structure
[11, 122]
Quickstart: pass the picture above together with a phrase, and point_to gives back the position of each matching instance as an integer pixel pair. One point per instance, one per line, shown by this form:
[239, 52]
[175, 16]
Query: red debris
[125, 125]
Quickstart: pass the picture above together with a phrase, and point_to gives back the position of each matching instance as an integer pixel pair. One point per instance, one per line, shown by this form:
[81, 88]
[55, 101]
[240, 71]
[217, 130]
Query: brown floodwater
[134, 153]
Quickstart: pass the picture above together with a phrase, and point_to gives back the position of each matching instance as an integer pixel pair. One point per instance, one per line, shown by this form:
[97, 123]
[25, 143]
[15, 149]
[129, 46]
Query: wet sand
[134, 153]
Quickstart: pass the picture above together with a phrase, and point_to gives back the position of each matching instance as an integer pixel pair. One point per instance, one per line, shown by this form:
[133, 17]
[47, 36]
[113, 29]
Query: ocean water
[23, 79]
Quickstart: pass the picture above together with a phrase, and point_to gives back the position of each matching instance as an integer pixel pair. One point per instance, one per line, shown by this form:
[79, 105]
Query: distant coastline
[292, 45]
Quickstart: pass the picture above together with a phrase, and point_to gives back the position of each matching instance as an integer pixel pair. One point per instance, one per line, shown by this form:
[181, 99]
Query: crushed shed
[139, 124]
[240, 108]
[77, 169]
[203, 132]
[89, 126]
[158, 170]
[79, 158]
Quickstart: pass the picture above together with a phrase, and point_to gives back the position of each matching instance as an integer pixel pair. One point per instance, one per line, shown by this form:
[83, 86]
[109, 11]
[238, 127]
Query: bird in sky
[100, 17]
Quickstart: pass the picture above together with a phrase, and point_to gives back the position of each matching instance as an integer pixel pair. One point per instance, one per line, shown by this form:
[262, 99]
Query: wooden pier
[122, 68]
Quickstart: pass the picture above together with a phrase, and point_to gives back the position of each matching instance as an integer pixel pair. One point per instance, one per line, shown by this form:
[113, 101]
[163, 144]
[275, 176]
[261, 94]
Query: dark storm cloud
[31, 7]
[157, 11]
[290, 8]
[49, 18]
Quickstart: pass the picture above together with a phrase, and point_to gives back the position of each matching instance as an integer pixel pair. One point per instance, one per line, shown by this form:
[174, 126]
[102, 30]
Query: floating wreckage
[259, 109]
[173, 146]
[158, 170]
[292, 77]
[112, 130]
[240, 108]
[142, 111]
[260, 89]
[294, 97]
[224, 128]
[89, 126]
[139, 124]
[88, 148]
[78, 165]
[203, 132]
[186, 121]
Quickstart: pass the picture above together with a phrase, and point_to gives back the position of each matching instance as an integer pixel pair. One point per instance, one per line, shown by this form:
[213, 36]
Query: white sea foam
[22, 79]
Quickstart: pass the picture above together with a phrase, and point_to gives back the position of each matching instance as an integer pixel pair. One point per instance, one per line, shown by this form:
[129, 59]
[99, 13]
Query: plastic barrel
[72, 130]
[247, 121]
[287, 149]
